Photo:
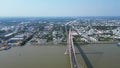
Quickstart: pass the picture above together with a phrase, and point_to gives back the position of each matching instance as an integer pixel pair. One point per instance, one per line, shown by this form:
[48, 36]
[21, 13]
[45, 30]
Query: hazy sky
[59, 7]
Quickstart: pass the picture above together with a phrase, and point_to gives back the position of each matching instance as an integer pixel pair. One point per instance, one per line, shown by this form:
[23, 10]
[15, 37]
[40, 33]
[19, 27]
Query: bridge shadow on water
[88, 63]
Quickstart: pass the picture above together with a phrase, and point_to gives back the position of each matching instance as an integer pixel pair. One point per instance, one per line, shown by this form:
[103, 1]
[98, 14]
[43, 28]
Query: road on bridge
[71, 49]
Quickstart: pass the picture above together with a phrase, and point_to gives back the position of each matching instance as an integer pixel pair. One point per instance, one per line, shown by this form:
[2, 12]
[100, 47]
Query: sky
[59, 7]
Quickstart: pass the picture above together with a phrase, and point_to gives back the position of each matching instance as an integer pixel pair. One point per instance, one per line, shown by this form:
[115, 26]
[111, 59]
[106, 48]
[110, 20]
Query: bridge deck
[71, 50]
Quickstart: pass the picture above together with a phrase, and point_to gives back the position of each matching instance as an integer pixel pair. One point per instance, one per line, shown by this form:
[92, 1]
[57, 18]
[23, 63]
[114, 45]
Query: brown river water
[96, 56]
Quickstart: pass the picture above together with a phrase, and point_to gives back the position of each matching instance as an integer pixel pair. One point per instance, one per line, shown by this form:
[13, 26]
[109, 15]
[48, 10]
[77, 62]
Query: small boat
[5, 48]
[2, 48]
[118, 44]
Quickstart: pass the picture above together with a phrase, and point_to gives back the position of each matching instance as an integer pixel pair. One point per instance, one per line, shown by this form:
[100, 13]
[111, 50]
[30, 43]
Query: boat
[5, 48]
[2, 48]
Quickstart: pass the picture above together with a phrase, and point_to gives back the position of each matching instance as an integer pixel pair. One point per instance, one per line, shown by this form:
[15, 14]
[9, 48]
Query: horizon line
[58, 16]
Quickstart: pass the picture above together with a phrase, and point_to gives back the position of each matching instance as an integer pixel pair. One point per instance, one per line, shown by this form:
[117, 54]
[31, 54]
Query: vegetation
[2, 31]
[105, 39]
[105, 27]
[78, 40]
[26, 40]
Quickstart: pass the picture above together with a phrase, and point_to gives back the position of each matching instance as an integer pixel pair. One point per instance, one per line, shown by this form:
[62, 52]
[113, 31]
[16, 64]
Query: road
[72, 54]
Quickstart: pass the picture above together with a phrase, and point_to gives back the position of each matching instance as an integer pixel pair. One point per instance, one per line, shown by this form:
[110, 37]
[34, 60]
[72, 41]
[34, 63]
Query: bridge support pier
[67, 51]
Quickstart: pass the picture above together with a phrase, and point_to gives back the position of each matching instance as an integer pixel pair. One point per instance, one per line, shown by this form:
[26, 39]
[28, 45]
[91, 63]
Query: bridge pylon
[67, 51]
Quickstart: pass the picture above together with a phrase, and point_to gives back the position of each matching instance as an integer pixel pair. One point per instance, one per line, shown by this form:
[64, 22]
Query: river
[34, 57]
[100, 56]
[51, 56]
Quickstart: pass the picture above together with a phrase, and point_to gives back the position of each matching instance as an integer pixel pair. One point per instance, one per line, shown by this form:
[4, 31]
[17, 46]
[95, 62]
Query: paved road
[72, 55]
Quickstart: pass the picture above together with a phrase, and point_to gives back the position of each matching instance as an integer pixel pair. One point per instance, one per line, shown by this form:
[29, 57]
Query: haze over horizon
[59, 8]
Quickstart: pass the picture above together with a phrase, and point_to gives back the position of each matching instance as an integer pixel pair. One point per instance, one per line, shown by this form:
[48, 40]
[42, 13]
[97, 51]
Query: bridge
[71, 51]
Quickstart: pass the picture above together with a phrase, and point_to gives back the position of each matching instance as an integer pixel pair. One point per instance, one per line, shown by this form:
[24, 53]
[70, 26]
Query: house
[16, 40]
